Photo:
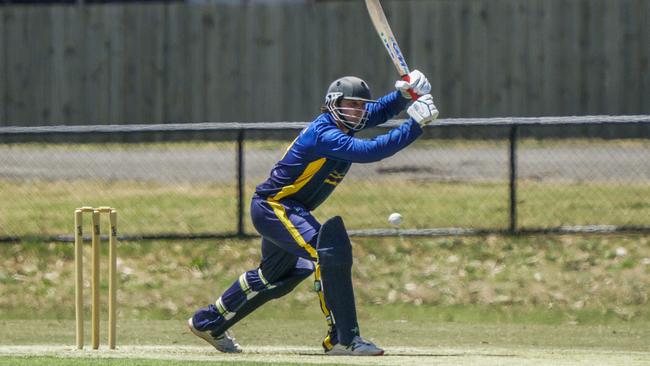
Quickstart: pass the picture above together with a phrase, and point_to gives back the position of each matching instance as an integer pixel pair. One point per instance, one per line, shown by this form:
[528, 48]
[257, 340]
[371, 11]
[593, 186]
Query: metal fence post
[240, 182]
[513, 179]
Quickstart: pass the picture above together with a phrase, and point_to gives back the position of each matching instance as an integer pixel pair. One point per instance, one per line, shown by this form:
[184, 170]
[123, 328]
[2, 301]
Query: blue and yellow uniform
[312, 167]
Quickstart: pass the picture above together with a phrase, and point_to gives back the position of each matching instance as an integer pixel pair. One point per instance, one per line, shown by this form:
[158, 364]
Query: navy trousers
[289, 233]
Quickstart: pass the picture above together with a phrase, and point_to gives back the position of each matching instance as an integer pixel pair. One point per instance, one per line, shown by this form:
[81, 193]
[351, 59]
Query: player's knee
[254, 281]
[333, 247]
[304, 267]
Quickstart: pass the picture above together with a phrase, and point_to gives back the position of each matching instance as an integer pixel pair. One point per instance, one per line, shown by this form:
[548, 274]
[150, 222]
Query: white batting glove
[417, 82]
[423, 111]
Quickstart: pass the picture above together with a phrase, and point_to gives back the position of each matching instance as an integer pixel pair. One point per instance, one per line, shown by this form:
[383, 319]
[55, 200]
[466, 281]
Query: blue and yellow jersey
[318, 159]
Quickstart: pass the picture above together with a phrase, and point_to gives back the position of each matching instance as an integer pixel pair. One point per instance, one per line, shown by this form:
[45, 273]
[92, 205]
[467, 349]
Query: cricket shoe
[358, 347]
[224, 342]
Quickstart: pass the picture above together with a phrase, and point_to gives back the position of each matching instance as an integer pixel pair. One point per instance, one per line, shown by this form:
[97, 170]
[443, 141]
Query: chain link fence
[463, 176]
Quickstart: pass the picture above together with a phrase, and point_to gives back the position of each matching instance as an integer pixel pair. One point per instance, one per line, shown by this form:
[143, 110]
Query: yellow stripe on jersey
[281, 213]
[304, 178]
[289, 147]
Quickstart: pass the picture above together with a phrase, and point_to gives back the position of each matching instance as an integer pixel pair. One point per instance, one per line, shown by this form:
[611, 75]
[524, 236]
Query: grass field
[46, 207]
[584, 278]
[482, 300]
[43, 207]
[269, 339]
[539, 300]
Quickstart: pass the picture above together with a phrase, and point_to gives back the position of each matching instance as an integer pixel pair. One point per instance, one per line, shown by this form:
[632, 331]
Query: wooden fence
[164, 63]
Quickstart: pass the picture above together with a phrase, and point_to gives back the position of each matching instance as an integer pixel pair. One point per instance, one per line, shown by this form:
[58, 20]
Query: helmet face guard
[354, 119]
[348, 88]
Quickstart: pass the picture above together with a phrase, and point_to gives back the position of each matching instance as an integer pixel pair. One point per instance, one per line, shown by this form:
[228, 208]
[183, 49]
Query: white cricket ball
[395, 219]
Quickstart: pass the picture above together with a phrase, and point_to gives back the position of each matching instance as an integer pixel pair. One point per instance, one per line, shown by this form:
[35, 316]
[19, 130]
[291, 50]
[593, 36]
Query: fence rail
[510, 185]
[264, 126]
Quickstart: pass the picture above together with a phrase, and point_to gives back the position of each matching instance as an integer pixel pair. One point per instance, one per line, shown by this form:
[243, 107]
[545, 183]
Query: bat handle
[414, 96]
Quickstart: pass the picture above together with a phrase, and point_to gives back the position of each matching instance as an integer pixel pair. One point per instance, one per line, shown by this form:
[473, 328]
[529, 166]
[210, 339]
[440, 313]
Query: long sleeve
[385, 108]
[333, 143]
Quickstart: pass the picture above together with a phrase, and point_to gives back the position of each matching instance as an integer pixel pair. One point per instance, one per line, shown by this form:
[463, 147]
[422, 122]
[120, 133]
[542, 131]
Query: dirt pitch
[308, 355]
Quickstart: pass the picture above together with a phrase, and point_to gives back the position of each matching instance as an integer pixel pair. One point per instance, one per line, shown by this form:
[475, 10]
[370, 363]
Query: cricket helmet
[349, 88]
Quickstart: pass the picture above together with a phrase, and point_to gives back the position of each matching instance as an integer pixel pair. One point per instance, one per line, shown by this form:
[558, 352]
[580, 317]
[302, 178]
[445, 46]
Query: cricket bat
[382, 27]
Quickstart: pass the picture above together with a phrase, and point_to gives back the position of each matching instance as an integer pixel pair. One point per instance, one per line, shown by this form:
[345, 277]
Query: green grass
[268, 327]
[34, 207]
[535, 300]
[45, 208]
[57, 361]
[557, 299]
[554, 204]
[538, 279]
[407, 341]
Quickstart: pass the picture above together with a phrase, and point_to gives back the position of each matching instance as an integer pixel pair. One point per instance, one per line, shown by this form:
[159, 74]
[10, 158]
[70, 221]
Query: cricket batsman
[294, 243]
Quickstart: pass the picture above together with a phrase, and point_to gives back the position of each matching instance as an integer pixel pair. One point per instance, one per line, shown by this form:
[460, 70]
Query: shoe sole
[205, 337]
[339, 353]
[199, 334]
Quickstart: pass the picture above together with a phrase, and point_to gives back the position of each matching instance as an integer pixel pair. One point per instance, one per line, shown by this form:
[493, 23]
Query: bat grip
[414, 96]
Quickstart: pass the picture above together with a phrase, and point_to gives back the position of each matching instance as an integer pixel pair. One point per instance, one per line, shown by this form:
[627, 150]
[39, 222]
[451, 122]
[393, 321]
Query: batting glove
[423, 111]
[417, 82]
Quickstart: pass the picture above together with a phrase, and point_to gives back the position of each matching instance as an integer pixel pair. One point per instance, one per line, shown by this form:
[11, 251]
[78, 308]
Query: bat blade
[388, 39]
[382, 27]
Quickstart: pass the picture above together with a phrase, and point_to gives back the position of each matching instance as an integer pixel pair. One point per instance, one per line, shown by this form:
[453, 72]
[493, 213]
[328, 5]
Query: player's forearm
[386, 107]
[367, 151]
